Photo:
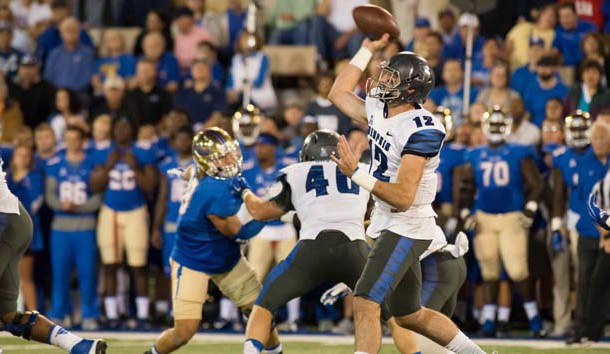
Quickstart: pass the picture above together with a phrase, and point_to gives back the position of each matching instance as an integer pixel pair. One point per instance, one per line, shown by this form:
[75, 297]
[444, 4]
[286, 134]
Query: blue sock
[258, 345]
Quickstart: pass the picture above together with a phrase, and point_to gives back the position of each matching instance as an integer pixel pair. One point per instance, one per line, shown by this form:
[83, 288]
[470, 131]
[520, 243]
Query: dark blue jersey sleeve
[426, 143]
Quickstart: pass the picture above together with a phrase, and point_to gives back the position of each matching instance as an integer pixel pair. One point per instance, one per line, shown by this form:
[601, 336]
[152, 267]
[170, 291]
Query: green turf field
[16, 346]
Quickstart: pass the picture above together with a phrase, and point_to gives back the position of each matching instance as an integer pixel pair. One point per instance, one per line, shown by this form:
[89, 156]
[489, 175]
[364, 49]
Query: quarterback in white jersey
[405, 140]
[15, 237]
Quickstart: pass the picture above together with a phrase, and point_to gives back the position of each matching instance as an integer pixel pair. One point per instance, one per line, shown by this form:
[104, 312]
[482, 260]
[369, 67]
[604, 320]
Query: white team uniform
[337, 204]
[9, 204]
[389, 138]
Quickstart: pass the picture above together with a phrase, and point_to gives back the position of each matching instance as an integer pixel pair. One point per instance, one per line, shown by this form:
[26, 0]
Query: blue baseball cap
[535, 40]
[266, 138]
[422, 22]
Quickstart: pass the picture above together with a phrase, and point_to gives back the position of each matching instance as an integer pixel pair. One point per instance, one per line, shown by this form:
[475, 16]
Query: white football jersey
[325, 199]
[438, 241]
[416, 132]
[9, 204]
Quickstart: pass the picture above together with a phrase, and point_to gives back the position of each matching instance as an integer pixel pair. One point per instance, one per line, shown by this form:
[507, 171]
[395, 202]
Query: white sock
[142, 307]
[154, 350]
[294, 309]
[250, 348]
[112, 307]
[61, 338]
[275, 350]
[531, 309]
[489, 313]
[503, 314]
[228, 311]
[476, 314]
[461, 344]
[162, 307]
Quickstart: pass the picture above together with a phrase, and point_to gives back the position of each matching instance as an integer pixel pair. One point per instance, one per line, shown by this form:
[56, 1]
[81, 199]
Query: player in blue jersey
[506, 194]
[26, 182]
[452, 156]
[100, 146]
[73, 244]
[212, 223]
[576, 169]
[171, 189]
[127, 176]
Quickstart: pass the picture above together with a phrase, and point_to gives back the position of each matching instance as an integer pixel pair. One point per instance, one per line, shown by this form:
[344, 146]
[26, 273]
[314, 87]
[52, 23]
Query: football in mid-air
[374, 21]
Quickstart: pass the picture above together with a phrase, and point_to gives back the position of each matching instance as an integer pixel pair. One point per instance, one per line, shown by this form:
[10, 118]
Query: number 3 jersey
[498, 179]
[323, 198]
[416, 132]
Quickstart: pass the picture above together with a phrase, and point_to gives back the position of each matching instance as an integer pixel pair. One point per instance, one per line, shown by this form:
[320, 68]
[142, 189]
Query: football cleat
[90, 346]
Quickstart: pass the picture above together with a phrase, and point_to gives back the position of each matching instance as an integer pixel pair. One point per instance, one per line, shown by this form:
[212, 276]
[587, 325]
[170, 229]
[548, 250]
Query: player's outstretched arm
[342, 92]
[260, 209]
[228, 226]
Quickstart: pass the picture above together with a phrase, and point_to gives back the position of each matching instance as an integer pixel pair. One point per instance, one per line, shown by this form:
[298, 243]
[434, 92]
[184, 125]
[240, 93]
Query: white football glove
[460, 246]
[335, 293]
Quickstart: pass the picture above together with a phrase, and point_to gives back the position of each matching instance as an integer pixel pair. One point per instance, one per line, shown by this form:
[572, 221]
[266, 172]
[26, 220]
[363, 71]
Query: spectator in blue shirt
[71, 64]
[168, 73]
[51, 37]
[527, 73]
[421, 30]
[570, 33]
[205, 99]
[114, 59]
[9, 56]
[546, 86]
[457, 50]
[451, 95]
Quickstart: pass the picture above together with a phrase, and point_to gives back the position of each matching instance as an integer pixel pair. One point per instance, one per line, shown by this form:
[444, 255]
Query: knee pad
[22, 324]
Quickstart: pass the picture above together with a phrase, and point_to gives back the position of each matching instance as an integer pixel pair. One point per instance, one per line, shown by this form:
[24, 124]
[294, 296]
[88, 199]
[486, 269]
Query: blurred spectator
[205, 100]
[570, 33]
[334, 31]
[95, 13]
[481, 69]
[432, 50]
[594, 49]
[403, 12]
[522, 33]
[46, 145]
[357, 140]
[293, 113]
[498, 93]
[72, 244]
[71, 64]
[68, 111]
[553, 110]
[421, 30]
[114, 102]
[27, 184]
[168, 73]
[590, 11]
[291, 22]
[209, 51]
[9, 56]
[21, 37]
[322, 111]
[11, 116]
[476, 112]
[51, 37]
[100, 144]
[156, 21]
[447, 26]
[113, 59]
[522, 130]
[28, 13]
[604, 116]
[457, 50]
[546, 86]
[589, 95]
[451, 94]
[150, 102]
[251, 64]
[528, 72]
[186, 37]
[231, 24]
[34, 94]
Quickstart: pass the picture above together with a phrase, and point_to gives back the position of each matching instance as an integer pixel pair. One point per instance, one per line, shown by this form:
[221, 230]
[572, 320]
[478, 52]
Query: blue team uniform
[199, 245]
[261, 180]
[498, 179]
[176, 187]
[123, 193]
[580, 171]
[30, 192]
[75, 248]
[98, 152]
[452, 156]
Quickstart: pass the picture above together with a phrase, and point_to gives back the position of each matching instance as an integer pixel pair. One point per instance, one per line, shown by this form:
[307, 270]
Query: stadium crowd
[91, 129]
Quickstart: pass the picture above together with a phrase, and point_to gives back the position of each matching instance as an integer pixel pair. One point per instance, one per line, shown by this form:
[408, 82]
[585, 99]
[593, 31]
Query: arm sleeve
[281, 194]
[93, 203]
[425, 143]
[50, 195]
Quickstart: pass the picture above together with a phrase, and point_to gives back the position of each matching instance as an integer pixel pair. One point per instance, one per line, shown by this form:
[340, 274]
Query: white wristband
[556, 223]
[364, 180]
[531, 206]
[288, 218]
[244, 215]
[362, 58]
